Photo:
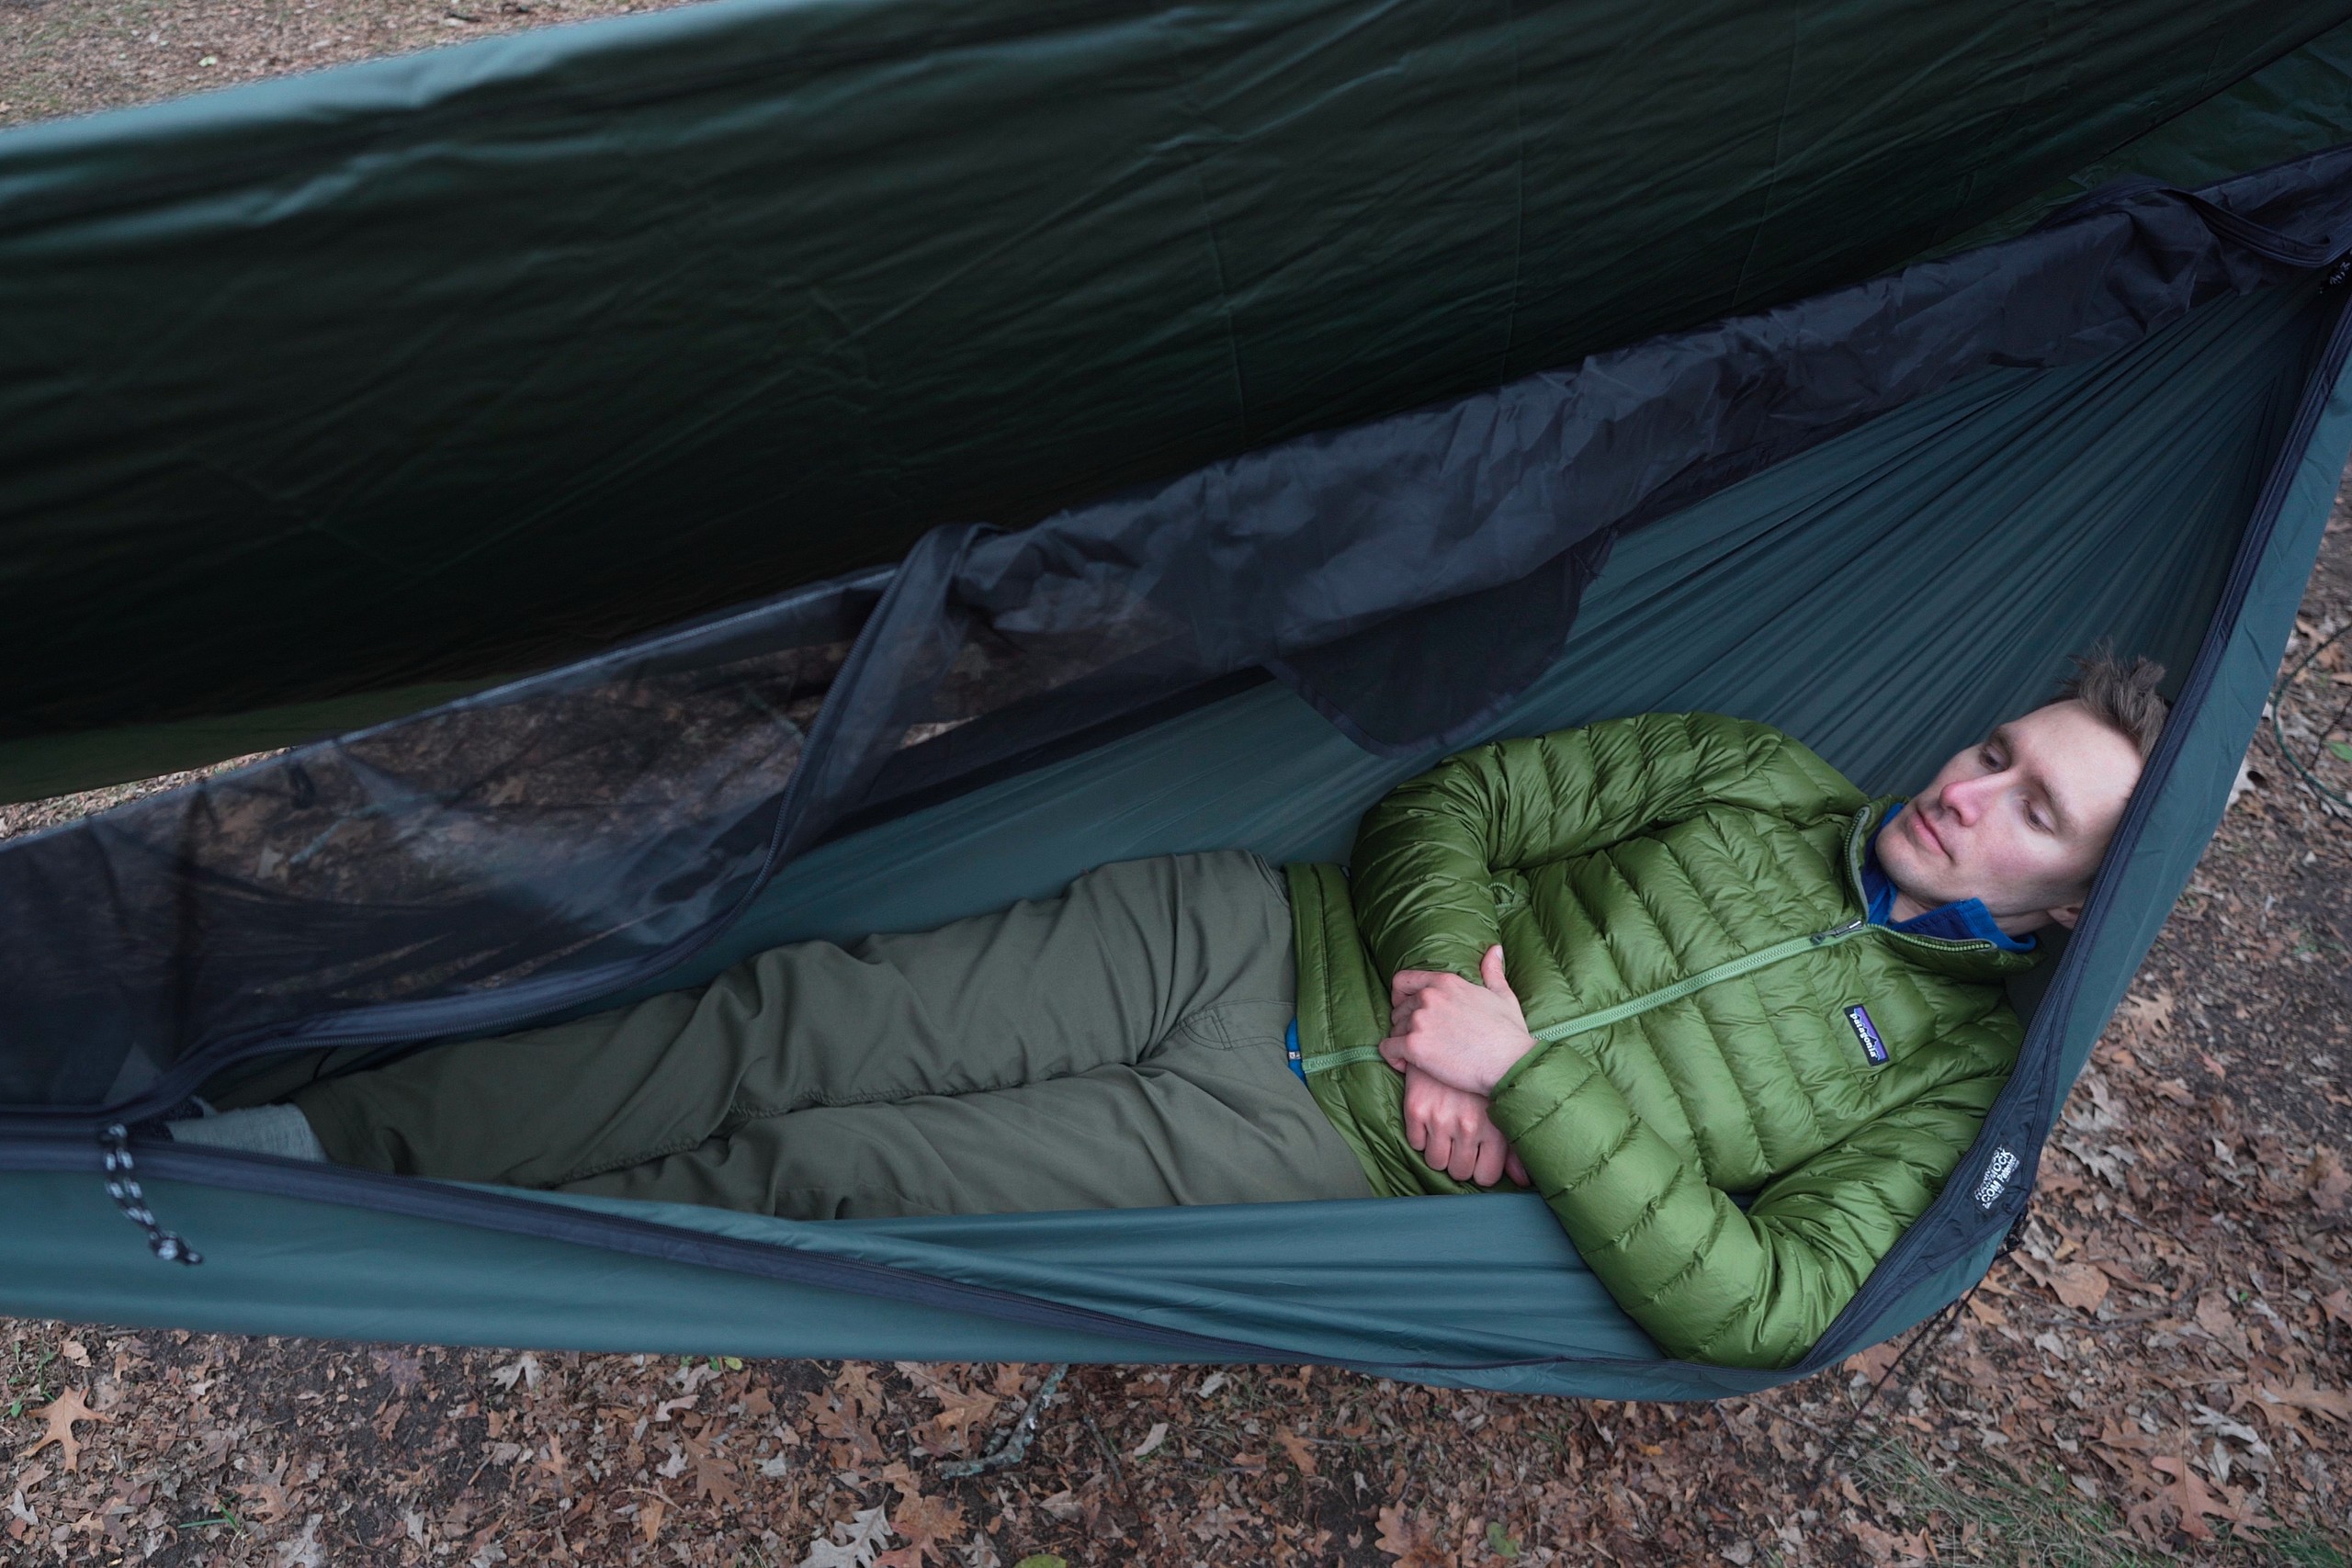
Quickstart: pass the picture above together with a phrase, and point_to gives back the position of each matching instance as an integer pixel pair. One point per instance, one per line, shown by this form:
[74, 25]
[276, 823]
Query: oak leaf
[854, 1545]
[961, 1410]
[2327, 1180]
[1873, 1364]
[714, 1473]
[2304, 1396]
[844, 1414]
[927, 1523]
[2189, 1497]
[2151, 1012]
[554, 1463]
[1402, 1537]
[2081, 1286]
[401, 1369]
[525, 1369]
[2214, 1315]
[268, 1495]
[61, 1413]
[1883, 1546]
[1296, 1447]
[856, 1385]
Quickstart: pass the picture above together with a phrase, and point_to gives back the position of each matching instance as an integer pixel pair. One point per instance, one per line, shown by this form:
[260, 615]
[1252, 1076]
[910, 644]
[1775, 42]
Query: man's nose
[1967, 799]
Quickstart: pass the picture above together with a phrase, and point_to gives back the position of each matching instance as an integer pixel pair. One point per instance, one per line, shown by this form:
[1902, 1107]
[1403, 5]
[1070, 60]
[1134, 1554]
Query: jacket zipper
[1689, 984]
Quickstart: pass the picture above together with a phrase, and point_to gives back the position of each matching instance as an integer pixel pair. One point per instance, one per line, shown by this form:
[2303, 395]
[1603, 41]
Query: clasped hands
[1453, 1040]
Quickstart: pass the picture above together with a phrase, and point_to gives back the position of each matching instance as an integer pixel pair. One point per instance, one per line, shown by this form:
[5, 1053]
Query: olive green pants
[1120, 1046]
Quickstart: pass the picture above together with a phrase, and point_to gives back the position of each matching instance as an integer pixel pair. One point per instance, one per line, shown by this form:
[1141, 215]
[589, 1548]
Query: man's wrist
[1510, 1074]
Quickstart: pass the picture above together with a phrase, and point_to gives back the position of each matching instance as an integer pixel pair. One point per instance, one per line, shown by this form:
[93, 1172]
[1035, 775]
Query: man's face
[2019, 822]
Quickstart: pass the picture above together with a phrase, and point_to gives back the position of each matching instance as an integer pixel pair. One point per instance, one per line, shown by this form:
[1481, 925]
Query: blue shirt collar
[1967, 920]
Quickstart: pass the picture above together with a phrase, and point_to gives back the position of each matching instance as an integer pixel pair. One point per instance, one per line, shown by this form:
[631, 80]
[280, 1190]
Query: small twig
[1016, 1447]
[1934, 1332]
[2126, 1319]
[1102, 1442]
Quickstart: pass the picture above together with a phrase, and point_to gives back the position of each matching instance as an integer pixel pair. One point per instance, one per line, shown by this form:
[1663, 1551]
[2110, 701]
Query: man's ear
[2067, 915]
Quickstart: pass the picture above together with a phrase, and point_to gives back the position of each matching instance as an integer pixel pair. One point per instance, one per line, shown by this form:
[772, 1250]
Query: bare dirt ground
[2161, 1371]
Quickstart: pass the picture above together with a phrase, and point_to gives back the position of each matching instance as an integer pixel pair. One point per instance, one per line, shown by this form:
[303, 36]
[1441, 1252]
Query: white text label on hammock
[1998, 1171]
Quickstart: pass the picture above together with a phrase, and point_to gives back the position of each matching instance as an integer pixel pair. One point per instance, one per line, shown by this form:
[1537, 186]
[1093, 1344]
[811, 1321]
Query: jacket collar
[1970, 960]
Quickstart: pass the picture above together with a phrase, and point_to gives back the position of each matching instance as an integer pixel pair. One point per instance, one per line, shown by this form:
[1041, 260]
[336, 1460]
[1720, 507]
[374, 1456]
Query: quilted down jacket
[1742, 1092]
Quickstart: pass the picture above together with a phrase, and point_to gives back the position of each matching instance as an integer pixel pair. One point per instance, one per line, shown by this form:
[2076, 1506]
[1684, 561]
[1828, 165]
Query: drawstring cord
[122, 1186]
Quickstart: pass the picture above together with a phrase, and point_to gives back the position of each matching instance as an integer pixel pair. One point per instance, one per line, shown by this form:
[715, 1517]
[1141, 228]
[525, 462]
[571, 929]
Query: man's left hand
[1463, 1034]
[1454, 1135]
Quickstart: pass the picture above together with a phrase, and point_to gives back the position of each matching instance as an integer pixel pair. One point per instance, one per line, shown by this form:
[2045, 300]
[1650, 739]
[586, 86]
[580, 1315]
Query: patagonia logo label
[1998, 1171]
[1867, 1032]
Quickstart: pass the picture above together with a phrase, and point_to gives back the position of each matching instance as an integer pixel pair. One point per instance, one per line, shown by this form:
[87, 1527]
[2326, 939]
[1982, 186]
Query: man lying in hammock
[1640, 965]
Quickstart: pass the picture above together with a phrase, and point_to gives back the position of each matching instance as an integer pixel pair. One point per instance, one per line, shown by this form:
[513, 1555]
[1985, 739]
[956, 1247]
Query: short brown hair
[2121, 696]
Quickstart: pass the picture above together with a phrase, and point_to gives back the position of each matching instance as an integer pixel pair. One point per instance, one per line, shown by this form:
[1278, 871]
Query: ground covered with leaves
[67, 57]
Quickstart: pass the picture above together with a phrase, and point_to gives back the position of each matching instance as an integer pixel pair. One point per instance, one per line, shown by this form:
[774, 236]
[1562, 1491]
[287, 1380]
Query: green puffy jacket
[1678, 898]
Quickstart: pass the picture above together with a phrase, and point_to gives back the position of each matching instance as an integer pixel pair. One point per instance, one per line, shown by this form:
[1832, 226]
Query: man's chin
[1914, 886]
[1895, 860]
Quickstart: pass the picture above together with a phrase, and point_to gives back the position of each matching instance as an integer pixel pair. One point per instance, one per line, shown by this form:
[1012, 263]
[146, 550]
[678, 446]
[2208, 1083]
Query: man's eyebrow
[2002, 737]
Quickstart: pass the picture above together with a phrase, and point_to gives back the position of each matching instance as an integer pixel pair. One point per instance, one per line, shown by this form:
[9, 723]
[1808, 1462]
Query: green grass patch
[2046, 1522]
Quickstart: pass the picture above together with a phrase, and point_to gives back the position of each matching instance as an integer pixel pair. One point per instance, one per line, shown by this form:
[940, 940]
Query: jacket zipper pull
[122, 1186]
[1838, 933]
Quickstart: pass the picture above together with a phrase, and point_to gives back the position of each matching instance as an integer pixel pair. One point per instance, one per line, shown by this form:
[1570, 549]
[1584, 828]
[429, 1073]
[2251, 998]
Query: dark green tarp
[454, 365]
[1878, 514]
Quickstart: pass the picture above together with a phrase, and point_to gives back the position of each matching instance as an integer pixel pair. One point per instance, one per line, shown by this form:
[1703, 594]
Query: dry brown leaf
[2145, 1518]
[2117, 1442]
[2337, 1304]
[714, 1473]
[648, 1516]
[1873, 1364]
[75, 1351]
[962, 1412]
[2304, 1396]
[2081, 1286]
[1402, 1537]
[2328, 1181]
[2152, 1012]
[402, 1368]
[266, 1497]
[1301, 1453]
[758, 1405]
[61, 1413]
[841, 1420]
[1882, 1546]
[2191, 1500]
[930, 1524]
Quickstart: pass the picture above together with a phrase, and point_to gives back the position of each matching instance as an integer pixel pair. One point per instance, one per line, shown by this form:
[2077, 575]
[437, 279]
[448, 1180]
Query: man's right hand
[1451, 1129]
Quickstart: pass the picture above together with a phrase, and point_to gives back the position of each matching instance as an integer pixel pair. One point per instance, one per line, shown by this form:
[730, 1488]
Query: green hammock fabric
[1885, 596]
